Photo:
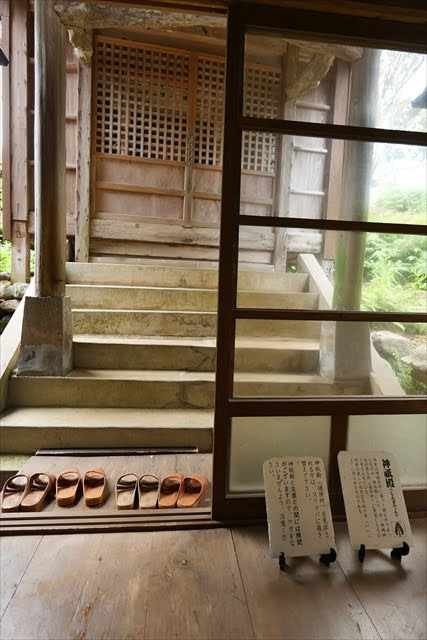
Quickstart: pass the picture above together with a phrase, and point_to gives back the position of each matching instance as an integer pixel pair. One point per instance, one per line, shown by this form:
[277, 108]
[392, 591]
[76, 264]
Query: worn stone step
[182, 299]
[182, 323]
[154, 389]
[193, 354]
[162, 276]
[24, 430]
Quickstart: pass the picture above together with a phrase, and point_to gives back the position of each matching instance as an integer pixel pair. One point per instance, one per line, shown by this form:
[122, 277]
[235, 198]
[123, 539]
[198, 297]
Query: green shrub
[406, 381]
[403, 200]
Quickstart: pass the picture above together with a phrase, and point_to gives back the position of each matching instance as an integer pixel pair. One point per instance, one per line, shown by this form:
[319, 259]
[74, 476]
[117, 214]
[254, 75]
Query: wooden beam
[83, 191]
[49, 151]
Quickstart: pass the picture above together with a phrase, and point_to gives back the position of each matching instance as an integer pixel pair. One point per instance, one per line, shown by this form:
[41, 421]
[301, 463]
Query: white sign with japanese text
[374, 504]
[298, 511]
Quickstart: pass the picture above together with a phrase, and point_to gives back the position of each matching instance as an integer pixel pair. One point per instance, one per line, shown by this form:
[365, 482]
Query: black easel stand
[398, 552]
[327, 558]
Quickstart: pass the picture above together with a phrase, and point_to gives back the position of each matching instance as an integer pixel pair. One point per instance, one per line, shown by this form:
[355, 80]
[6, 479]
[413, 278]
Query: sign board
[373, 498]
[298, 511]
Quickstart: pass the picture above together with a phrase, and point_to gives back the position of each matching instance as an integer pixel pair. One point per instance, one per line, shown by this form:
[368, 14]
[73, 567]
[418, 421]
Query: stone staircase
[144, 359]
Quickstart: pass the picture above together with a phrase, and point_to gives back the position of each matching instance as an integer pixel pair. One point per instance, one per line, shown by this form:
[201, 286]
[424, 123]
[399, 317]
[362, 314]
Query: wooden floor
[216, 584]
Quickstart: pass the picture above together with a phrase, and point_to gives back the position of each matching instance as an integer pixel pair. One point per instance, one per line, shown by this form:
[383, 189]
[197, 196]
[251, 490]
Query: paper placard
[298, 511]
[373, 498]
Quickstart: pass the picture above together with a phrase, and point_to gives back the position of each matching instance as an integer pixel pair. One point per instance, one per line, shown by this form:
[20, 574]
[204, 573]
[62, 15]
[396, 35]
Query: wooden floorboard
[392, 593]
[15, 556]
[119, 586]
[211, 585]
[309, 601]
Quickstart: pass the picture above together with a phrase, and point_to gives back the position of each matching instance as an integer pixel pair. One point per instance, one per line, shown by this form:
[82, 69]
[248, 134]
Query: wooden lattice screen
[141, 101]
[209, 112]
[262, 99]
[144, 98]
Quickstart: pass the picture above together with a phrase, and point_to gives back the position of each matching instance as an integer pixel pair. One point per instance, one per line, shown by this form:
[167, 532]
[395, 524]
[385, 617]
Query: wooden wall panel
[143, 173]
[138, 204]
[206, 211]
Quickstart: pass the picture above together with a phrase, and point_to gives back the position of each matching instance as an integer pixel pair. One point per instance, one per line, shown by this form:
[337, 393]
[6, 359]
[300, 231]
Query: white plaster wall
[403, 435]
[254, 440]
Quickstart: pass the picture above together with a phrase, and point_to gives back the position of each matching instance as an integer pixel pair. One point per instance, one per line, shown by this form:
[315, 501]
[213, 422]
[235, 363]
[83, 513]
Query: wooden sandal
[67, 485]
[148, 491]
[13, 492]
[94, 487]
[39, 487]
[193, 489]
[169, 490]
[126, 488]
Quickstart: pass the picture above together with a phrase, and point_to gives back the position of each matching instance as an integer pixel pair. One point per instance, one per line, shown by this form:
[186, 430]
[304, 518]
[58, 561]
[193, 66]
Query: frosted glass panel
[404, 435]
[254, 440]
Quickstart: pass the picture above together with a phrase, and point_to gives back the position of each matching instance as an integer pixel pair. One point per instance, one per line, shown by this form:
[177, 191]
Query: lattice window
[209, 112]
[141, 101]
[262, 99]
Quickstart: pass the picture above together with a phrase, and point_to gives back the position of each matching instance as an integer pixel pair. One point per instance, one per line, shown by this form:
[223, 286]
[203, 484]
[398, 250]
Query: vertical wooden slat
[83, 162]
[228, 255]
[19, 167]
[6, 177]
[336, 162]
[191, 129]
[285, 151]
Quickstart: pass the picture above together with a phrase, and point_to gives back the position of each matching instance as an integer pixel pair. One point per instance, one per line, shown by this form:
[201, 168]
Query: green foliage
[5, 249]
[406, 381]
[403, 200]
[395, 275]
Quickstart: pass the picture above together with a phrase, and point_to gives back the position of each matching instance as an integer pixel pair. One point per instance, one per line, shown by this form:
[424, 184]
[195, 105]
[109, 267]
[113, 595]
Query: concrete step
[173, 298]
[158, 276]
[24, 430]
[154, 389]
[10, 464]
[193, 354]
[181, 323]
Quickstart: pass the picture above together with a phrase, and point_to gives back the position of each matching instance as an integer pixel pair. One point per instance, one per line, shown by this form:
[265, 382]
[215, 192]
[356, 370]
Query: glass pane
[283, 358]
[315, 178]
[405, 436]
[331, 83]
[254, 440]
[312, 269]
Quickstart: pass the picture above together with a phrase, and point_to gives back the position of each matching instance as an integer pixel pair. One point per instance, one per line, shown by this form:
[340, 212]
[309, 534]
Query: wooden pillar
[46, 344]
[49, 151]
[83, 187]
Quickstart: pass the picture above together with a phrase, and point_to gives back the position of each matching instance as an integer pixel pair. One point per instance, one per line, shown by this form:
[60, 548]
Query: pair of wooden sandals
[149, 493]
[29, 493]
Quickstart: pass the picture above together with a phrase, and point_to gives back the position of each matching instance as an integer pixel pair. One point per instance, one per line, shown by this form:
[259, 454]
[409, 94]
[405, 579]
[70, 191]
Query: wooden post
[20, 269]
[49, 151]
[46, 344]
[83, 187]
[283, 174]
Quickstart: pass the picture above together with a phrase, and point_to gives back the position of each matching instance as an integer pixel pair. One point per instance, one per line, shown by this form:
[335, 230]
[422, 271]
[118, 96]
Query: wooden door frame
[309, 25]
